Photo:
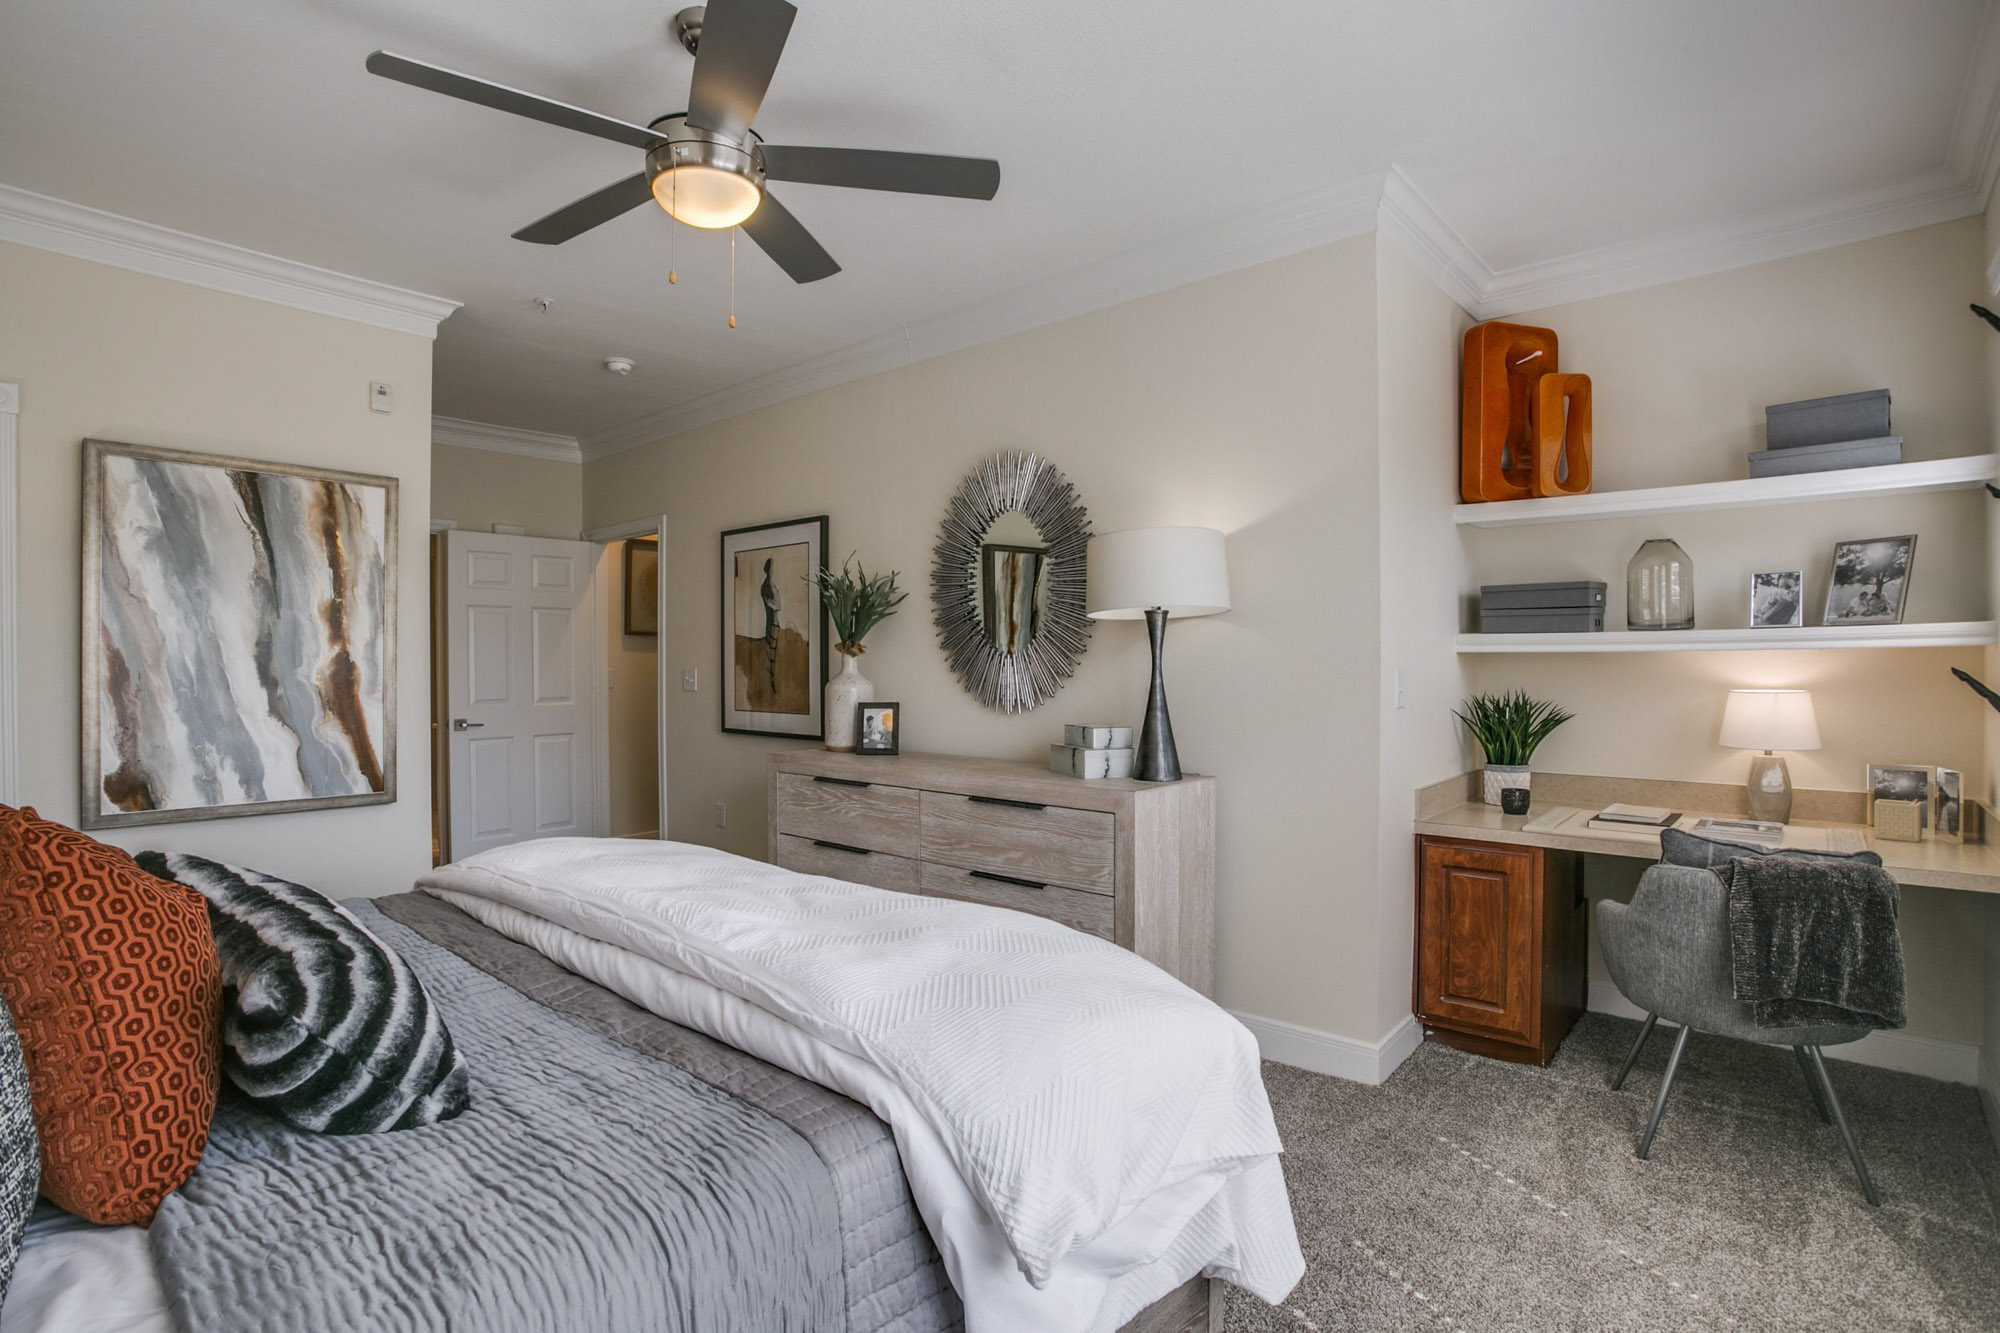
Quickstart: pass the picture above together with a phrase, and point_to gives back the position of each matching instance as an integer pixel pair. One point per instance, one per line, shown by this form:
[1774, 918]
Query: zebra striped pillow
[322, 1025]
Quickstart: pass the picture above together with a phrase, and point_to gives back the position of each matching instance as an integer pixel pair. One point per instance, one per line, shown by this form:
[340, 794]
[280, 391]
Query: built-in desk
[1973, 867]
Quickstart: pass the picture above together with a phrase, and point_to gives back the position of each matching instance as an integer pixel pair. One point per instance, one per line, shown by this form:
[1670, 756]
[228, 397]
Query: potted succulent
[1508, 727]
[856, 602]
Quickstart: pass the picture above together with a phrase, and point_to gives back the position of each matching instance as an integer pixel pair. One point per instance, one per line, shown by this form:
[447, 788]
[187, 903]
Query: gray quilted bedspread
[615, 1172]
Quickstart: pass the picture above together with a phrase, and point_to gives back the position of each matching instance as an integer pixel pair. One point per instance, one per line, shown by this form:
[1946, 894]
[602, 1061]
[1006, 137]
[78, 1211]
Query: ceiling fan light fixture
[706, 196]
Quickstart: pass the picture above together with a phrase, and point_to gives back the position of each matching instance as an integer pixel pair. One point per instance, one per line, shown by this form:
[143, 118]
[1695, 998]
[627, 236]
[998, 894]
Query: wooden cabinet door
[1478, 951]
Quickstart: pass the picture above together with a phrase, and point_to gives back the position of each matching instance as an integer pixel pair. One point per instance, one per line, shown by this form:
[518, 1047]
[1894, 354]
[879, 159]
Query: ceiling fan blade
[867, 169]
[741, 41]
[592, 210]
[434, 78]
[787, 241]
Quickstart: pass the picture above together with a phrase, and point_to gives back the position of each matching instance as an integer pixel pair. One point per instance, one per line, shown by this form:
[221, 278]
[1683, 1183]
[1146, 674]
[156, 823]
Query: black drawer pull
[1006, 879]
[839, 847]
[1001, 800]
[842, 782]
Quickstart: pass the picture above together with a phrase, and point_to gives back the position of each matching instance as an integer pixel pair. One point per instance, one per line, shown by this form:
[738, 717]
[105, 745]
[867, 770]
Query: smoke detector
[619, 365]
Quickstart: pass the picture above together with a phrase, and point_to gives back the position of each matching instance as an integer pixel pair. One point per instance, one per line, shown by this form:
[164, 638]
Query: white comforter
[1082, 1132]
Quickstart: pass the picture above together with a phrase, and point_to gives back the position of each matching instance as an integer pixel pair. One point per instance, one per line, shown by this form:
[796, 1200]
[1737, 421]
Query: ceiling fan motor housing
[703, 178]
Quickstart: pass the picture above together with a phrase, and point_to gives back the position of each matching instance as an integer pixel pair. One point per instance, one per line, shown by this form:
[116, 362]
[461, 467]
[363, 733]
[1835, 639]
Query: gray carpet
[1470, 1194]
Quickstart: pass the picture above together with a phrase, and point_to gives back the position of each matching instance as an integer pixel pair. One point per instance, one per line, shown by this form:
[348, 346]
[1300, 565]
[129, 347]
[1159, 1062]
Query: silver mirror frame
[1012, 682]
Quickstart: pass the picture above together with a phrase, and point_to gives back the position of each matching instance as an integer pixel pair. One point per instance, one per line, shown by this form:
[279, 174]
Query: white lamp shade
[1770, 720]
[1182, 571]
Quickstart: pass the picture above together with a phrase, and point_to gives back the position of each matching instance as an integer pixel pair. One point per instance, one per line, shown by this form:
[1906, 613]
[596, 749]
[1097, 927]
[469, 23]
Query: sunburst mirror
[1007, 581]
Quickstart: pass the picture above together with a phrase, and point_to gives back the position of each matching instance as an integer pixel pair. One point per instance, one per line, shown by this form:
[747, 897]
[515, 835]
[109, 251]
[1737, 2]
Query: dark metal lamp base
[1157, 760]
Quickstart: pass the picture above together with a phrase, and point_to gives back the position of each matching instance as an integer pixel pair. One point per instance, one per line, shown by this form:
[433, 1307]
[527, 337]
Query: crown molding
[42, 223]
[1415, 227]
[505, 440]
[1308, 220]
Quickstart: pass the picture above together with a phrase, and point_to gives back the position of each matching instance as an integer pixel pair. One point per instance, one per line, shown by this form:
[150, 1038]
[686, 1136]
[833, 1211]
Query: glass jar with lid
[1659, 587]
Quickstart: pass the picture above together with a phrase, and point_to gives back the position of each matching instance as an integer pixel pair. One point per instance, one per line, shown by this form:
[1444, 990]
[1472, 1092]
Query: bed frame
[1185, 1309]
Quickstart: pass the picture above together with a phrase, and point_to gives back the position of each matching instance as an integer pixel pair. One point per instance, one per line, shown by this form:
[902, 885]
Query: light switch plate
[378, 396]
[691, 679]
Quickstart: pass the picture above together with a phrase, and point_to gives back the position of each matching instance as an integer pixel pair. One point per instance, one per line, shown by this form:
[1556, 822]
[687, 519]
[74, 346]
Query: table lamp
[1770, 720]
[1155, 573]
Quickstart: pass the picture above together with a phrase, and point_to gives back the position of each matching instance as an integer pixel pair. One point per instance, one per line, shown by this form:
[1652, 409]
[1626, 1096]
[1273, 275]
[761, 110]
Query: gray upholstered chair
[1668, 952]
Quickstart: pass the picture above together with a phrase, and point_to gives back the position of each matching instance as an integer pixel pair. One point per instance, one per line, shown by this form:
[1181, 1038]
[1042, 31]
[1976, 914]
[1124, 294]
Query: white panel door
[520, 625]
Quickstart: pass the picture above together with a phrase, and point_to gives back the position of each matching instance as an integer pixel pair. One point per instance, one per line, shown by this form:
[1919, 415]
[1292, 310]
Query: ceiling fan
[705, 166]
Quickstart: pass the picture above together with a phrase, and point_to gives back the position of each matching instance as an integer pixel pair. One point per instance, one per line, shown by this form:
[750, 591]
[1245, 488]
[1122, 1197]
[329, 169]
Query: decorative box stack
[1572, 607]
[1093, 752]
[1827, 435]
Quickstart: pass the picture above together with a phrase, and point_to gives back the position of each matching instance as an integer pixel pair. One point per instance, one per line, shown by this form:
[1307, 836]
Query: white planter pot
[1499, 777]
[843, 692]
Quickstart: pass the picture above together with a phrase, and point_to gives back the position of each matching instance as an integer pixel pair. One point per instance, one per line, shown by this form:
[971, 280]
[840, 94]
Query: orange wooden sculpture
[1560, 425]
[1503, 362]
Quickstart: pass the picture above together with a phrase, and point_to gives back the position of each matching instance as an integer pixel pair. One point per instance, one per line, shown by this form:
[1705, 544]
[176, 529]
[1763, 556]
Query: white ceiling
[1544, 133]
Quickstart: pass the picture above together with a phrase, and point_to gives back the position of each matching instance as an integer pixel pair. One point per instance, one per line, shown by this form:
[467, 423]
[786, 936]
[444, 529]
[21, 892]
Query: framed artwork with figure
[774, 630]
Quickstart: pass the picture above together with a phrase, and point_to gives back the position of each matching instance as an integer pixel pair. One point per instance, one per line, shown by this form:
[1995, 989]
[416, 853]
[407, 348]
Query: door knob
[460, 724]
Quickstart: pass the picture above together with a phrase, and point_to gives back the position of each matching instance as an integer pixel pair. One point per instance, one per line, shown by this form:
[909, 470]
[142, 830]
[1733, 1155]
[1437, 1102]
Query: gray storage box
[1827, 457]
[1543, 620]
[1836, 420]
[1539, 596]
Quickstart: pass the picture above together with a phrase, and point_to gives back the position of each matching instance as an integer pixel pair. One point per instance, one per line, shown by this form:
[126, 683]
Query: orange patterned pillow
[112, 979]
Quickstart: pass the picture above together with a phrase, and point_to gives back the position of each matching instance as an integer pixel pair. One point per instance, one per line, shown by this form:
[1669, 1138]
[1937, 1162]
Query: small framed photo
[1900, 782]
[875, 728]
[1871, 581]
[1777, 599]
[1948, 812]
[642, 586]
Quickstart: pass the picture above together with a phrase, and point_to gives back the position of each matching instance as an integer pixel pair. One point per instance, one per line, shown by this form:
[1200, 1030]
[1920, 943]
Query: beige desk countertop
[1974, 868]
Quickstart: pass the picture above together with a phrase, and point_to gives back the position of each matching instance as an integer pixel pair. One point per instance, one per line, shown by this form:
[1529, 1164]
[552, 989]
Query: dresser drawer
[856, 865]
[1045, 843]
[1087, 912]
[881, 819]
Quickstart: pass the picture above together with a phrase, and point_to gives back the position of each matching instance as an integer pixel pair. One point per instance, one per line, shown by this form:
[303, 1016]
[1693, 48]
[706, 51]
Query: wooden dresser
[1132, 862]
[1500, 946]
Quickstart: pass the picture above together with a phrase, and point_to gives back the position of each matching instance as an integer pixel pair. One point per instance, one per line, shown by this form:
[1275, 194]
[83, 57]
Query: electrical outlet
[691, 679]
[721, 815]
[1402, 698]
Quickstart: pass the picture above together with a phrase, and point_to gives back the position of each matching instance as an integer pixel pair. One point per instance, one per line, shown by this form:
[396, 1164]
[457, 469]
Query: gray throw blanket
[1815, 942]
[590, 1186]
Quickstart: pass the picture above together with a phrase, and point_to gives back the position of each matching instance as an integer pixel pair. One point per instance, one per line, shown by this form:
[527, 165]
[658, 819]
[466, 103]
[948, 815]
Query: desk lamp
[1770, 720]
[1154, 573]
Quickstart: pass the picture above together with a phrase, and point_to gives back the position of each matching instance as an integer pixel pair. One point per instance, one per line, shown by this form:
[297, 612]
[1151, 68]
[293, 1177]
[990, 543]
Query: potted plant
[856, 602]
[1508, 727]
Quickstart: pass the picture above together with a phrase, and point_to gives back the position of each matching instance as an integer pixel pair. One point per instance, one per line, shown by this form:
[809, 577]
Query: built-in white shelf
[1938, 474]
[1943, 634]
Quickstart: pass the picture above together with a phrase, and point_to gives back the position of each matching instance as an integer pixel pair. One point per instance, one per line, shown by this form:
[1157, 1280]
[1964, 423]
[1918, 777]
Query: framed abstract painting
[774, 630]
[239, 637]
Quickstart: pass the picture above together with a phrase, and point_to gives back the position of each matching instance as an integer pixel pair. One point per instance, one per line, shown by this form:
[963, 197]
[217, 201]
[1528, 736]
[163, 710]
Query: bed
[693, 1146]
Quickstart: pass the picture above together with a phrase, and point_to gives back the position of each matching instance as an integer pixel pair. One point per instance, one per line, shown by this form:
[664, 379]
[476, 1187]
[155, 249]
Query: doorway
[629, 570]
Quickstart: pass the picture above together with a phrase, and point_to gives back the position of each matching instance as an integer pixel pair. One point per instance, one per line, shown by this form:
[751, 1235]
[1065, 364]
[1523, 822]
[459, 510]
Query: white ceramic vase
[843, 692]
[1497, 778]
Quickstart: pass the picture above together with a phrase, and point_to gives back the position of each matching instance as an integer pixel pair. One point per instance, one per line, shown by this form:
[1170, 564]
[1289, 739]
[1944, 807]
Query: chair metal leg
[1846, 1134]
[1812, 1085]
[1618, 1079]
[1666, 1086]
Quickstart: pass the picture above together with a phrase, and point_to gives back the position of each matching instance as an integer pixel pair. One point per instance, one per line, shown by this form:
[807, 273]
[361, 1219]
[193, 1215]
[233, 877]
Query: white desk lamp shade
[1183, 571]
[1770, 720]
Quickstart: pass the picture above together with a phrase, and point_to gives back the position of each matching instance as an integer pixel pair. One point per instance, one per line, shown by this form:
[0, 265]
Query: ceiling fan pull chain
[732, 277]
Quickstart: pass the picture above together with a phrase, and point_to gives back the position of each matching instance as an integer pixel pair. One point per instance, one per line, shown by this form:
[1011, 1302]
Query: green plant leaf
[856, 601]
[1510, 726]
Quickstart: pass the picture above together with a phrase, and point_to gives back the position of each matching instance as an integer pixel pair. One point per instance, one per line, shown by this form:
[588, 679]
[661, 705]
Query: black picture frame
[889, 735]
[741, 717]
[641, 604]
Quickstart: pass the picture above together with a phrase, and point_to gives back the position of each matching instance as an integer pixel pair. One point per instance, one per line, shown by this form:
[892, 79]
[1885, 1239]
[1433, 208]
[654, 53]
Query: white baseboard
[650, 835]
[1954, 1062]
[1368, 1062]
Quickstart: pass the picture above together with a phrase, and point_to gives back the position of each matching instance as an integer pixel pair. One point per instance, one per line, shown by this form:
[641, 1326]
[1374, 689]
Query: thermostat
[378, 396]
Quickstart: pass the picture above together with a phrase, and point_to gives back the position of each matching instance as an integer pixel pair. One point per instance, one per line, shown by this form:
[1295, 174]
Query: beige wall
[633, 708]
[1419, 332]
[1989, 1055]
[107, 354]
[1245, 403]
[1680, 376]
[476, 488]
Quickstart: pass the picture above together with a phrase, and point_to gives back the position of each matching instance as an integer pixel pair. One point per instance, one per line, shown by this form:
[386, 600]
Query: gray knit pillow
[20, 1152]
[1691, 849]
